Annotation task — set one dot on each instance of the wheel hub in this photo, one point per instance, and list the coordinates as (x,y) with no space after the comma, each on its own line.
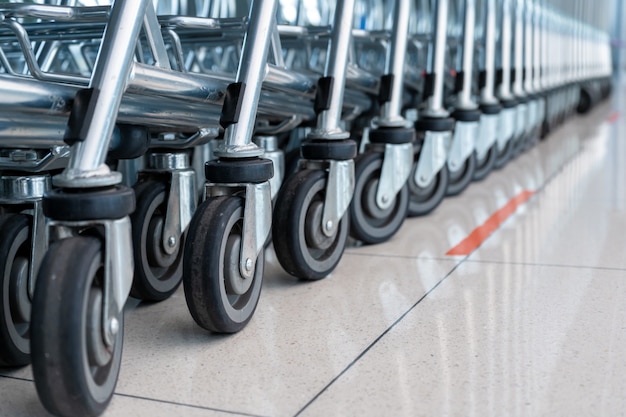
(97,352)
(371,207)
(235,282)
(422,193)
(156,253)
(314,235)
(18,291)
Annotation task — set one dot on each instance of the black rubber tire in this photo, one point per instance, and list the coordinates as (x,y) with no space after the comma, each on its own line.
(213,243)
(484,167)
(68,300)
(424,200)
(369,223)
(157,274)
(504,156)
(297,211)
(461,178)
(15,249)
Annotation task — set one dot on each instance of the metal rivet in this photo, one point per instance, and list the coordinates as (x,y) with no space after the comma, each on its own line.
(171,241)
(248,264)
(385,199)
(329,225)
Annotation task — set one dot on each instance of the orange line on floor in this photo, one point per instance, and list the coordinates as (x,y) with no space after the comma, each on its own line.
(482,232)
(613,117)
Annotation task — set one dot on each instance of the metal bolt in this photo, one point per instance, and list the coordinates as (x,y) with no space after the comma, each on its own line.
(248,264)
(423,178)
(171,241)
(114,326)
(385,198)
(329,225)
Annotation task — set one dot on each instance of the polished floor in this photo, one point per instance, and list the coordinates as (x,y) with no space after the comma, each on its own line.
(531,323)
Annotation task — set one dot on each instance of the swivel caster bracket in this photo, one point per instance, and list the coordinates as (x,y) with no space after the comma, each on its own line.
(462,144)
(432,157)
(181,204)
(339,190)
(39,236)
(487,134)
(257,221)
(396,169)
(506,126)
(118,266)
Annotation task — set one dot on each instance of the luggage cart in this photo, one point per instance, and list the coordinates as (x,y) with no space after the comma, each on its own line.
(88,209)
(381,194)
(461,161)
(429,179)
(486,144)
(506,122)
(46,88)
(519,74)
(311,219)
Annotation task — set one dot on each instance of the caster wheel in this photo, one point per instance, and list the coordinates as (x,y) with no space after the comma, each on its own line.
(75,372)
(368,222)
(532,140)
(157,273)
(486,165)
(301,246)
(518,146)
(423,200)
(504,156)
(15,249)
(219,298)
(459,179)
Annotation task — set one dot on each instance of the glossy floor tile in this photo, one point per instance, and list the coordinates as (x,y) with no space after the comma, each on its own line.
(528,324)
(497,340)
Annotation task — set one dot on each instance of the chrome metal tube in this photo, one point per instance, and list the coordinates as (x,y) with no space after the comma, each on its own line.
(537,47)
(504,89)
(487,92)
(518,47)
(464,100)
(436,62)
(109,81)
(394,64)
(251,71)
(328,121)
(528,48)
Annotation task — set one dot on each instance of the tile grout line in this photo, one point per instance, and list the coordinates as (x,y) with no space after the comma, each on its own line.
(138,397)
(419,258)
(603,268)
(383,334)
(15,378)
(200,407)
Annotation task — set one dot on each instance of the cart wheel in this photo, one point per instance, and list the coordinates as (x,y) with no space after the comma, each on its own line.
(219,298)
(157,273)
(301,246)
(75,372)
(518,146)
(532,139)
(368,222)
(459,179)
(485,165)
(423,200)
(504,156)
(15,248)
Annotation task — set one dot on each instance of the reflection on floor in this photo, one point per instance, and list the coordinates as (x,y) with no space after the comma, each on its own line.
(530,323)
